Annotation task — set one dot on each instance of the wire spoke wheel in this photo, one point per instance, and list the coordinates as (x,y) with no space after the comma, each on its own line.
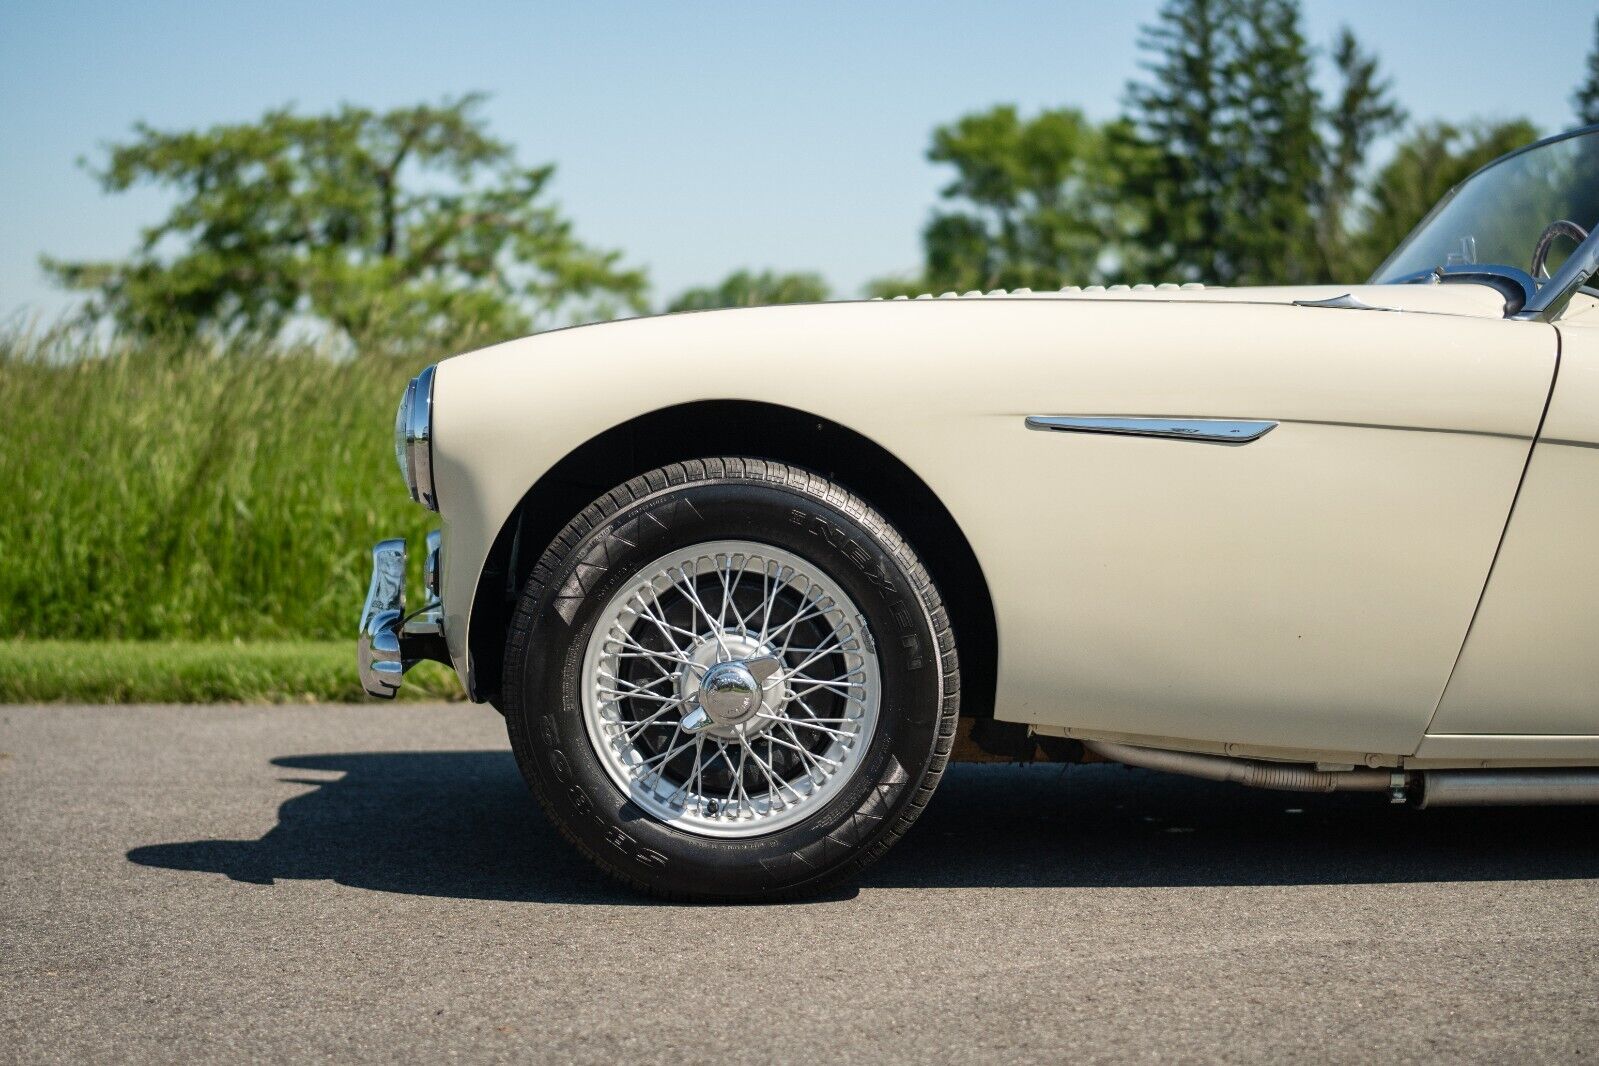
(732,689)
(732,679)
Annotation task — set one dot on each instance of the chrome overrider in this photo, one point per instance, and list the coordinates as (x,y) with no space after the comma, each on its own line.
(391,642)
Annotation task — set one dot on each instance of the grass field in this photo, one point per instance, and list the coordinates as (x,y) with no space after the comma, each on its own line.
(209,509)
(55,671)
(194,492)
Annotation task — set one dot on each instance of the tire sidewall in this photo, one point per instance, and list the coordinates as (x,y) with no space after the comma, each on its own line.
(849,549)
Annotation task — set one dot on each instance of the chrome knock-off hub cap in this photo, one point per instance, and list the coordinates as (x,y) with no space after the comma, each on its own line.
(731,689)
(729,694)
(734,684)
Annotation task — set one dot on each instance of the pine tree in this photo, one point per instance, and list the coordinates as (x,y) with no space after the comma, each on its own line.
(1586,98)
(1364,110)
(1231,113)
(1180,112)
(1270,216)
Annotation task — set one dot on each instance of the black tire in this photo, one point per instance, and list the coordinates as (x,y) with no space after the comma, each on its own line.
(683,504)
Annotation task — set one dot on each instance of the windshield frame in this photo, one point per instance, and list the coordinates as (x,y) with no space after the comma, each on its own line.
(1549,299)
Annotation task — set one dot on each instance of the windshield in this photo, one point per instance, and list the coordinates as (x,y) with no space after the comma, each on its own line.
(1496,217)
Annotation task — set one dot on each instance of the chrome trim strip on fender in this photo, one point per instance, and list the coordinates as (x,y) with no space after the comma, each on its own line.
(1212,430)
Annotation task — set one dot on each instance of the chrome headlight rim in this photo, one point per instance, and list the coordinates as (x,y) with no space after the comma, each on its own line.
(414,439)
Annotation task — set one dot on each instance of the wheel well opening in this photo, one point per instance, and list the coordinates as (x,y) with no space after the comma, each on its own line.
(736,427)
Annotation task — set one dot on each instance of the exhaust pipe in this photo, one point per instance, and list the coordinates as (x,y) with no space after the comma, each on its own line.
(1438,788)
(1506,788)
(1255,773)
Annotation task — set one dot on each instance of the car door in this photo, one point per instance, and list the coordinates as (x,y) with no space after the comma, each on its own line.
(1309,590)
(1527,684)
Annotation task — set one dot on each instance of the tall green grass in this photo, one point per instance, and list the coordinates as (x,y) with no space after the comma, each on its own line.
(194,491)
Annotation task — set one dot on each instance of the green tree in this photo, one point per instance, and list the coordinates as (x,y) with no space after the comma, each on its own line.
(1275,119)
(1034,203)
(743,288)
(1586,98)
(1428,163)
(1363,111)
(1182,112)
(1231,114)
(412,223)
(889,286)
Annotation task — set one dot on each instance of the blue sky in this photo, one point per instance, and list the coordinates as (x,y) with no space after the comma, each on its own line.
(698,137)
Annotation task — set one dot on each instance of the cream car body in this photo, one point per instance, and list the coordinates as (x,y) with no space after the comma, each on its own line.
(1346,527)
(1307,594)
(1308,590)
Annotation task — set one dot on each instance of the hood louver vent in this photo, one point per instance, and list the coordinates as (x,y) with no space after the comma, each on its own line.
(1144,287)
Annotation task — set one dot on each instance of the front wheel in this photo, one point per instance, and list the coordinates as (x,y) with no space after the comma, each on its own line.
(731,679)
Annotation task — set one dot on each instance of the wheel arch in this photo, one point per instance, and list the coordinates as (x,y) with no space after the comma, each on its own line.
(739,427)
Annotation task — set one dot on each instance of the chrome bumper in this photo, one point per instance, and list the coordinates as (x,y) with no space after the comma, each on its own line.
(390,641)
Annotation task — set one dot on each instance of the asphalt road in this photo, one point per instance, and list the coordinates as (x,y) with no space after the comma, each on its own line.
(373,883)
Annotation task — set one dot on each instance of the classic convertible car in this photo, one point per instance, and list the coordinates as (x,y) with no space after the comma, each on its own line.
(743,582)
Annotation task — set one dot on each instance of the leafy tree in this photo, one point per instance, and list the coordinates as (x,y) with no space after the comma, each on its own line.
(742,288)
(1034,202)
(1364,111)
(1586,98)
(412,223)
(1428,163)
(1231,114)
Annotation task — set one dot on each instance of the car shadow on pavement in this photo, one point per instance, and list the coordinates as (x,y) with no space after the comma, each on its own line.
(461,824)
